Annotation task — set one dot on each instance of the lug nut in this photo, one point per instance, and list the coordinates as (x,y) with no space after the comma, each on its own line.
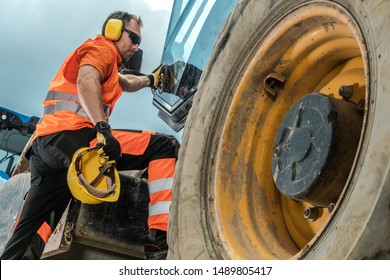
(346,91)
(311,213)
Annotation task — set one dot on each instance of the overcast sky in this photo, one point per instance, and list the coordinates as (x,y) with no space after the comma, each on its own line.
(37,35)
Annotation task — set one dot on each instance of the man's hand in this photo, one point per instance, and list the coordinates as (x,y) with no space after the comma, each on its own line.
(155,77)
(111,146)
(162,78)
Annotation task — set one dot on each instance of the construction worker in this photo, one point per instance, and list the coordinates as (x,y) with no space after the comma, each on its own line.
(79,101)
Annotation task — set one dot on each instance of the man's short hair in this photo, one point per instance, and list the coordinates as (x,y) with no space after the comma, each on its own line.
(125,17)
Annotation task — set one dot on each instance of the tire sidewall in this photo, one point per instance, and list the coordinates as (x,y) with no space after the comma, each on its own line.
(364,211)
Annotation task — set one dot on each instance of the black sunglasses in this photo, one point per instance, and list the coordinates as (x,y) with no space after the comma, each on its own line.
(133,37)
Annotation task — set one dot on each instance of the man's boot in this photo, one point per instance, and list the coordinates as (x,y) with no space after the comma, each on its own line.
(156,247)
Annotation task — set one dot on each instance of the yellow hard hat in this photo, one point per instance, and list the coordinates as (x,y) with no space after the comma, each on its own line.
(93,179)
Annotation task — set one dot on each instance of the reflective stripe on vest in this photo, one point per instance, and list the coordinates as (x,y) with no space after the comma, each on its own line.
(66,101)
(63,96)
(63,105)
(159,208)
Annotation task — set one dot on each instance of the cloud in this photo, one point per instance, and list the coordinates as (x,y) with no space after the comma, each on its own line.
(160,5)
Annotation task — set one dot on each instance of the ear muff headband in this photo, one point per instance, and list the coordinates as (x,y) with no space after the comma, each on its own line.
(113,30)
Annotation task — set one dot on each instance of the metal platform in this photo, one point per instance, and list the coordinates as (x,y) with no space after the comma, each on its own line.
(104,231)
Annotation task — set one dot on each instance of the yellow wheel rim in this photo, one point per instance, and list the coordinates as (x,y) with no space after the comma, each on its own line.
(317,47)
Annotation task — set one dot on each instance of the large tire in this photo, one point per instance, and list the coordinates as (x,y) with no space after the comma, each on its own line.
(225,203)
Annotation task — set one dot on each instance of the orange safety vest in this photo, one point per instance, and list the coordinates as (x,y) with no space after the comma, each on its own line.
(62,107)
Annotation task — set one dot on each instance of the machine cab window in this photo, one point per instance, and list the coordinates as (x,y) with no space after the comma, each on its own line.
(193,29)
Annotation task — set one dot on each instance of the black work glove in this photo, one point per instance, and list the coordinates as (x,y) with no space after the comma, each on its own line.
(110,146)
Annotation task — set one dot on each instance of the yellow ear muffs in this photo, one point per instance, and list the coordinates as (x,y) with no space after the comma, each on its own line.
(113,29)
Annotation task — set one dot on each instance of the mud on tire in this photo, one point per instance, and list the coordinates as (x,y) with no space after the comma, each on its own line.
(225,202)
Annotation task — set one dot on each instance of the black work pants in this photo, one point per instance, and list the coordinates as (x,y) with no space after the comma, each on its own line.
(49,194)
(49,158)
